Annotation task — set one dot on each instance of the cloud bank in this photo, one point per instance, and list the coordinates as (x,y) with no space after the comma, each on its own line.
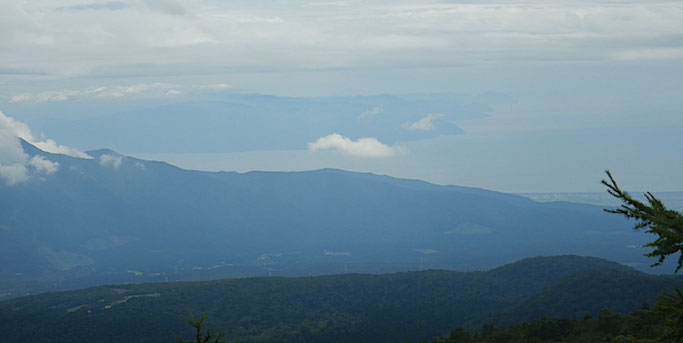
(194,37)
(363,147)
(15,128)
(97,92)
(12,157)
(15,165)
(156,89)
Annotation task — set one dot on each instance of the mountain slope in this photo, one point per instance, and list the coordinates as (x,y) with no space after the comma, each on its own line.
(115,218)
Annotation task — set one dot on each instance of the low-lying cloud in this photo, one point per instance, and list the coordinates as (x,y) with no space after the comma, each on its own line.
(43,165)
(12,158)
(371,112)
(97,92)
(15,165)
(51,146)
(363,147)
(156,89)
(112,161)
(21,130)
(424,124)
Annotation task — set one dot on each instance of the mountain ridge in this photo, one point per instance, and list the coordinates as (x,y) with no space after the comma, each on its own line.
(103,217)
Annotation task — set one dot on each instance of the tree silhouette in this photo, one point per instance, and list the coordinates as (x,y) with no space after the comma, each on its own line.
(667,224)
(210,336)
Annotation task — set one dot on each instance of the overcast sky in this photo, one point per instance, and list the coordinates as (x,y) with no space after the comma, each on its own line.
(547,94)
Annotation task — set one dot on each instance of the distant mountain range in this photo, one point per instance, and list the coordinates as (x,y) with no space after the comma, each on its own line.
(114,218)
(673,200)
(233,122)
(400,307)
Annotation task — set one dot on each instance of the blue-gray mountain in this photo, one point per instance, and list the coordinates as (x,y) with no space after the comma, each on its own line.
(115,218)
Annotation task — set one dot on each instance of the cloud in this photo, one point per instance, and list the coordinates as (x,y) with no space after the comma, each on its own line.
(371,112)
(663,53)
(156,89)
(13,173)
(170,7)
(363,147)
(12,158)
(215,87)
(43,165)
(76,37)
(20,98)
(424,124)
(14,162)
(111,6)
(21,130)
(113,161)
(51,146)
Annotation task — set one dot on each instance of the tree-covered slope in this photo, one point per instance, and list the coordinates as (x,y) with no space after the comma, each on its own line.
(575,295)
(641,326)
(347,307)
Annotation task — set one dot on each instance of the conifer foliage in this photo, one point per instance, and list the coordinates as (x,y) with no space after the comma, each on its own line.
(209,336)
(667,224)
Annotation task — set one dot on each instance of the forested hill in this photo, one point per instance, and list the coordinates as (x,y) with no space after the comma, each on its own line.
(338,308)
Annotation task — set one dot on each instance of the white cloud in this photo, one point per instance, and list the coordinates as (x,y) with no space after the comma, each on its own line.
(119,91)
(371,112)
(14,162)
(43,165)
(215,87)
(21,130)
(156,89)
(20,98)
(51,146)
(13,173)
(12,156)
(424,124)
(113,161)
(363,147)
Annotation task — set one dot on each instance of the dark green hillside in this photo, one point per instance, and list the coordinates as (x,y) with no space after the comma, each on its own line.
(349,307)
(642,326)
(576,294)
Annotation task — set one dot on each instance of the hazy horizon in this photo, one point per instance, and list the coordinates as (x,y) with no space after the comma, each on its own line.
(513,96)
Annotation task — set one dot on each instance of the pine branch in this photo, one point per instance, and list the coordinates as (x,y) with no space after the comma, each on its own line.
(667,224)
(211,336)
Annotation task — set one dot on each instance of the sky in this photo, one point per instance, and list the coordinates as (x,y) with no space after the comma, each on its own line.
(514,96)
